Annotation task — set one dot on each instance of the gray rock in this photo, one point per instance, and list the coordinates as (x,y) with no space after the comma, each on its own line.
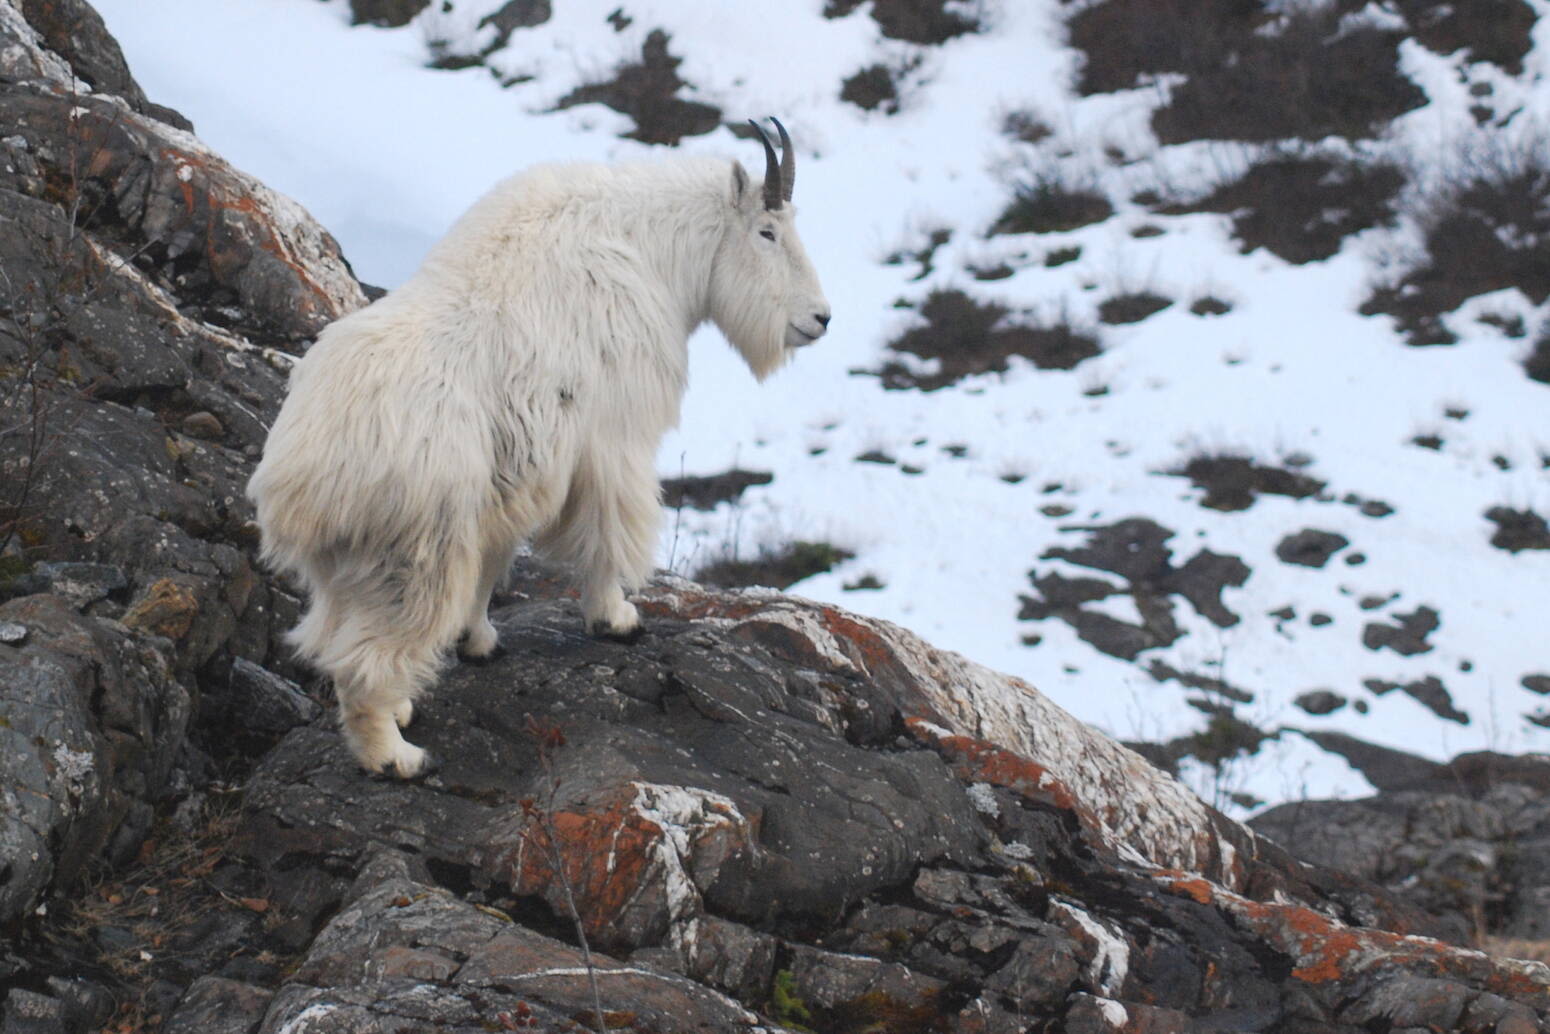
(80,583)
(732,958)
(1039,972)
(1384,767)
(73,30)
(213,1005)
(763,814)
(27,1012)
(829,979)
(87,1005)
(203,424)
(403,955)
(1467,843)
(1411,1001)
(92,721)
(385,13)
(260,700)
(1320,701)
(12,633)
(1310,547)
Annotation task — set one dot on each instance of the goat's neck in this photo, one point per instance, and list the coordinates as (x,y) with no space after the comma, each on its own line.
(679,238)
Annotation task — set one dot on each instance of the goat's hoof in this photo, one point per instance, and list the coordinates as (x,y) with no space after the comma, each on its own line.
(406,762)
(429,764)
(480,643)
(403,714)
(495,653)
(603,630)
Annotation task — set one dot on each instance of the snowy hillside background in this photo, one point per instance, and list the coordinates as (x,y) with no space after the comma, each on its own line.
(1099,274)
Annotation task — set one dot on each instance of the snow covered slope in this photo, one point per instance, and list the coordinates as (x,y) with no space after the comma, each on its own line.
(1178,520)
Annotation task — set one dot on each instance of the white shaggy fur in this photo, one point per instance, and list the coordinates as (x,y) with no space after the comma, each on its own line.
(517,386)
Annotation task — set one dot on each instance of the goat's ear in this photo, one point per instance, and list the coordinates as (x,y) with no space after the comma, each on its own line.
(742,187)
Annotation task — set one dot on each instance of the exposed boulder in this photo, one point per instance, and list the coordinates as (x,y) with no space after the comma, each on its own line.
(768,807)
(1469,840)
(91,719)
(763,813)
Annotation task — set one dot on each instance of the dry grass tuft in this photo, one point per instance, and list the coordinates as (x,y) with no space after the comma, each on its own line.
(1516,948)
(129,926)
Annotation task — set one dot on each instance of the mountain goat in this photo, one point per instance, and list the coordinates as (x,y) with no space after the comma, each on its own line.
(516,387)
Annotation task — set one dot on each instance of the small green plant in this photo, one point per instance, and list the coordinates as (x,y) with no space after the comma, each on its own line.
(786,1005)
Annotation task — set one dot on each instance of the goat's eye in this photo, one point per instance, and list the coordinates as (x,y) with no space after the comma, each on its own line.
(767,233)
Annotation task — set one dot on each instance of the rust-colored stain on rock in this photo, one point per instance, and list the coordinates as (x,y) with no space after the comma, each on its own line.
(165,608)
(1326,950)
(977,761)
(606,853)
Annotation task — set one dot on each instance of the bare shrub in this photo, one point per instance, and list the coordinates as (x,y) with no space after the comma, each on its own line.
(968,337)
(872,88)
(777,567)
(1485,227)
(647,91)
(1233,482)
(1126,40)
(1499,31)
(1046,200)
(1132,306)
(1302,208)
(914,21)
(1311,78)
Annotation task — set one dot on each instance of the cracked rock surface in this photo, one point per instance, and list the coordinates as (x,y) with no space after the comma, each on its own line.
(764,814)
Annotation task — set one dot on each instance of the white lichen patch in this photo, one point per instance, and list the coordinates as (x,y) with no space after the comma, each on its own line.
(1020,851)
(75,766)
(984,799)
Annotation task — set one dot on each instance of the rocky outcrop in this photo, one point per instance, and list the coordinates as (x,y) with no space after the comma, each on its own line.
(92,722)
(772,812)
(1469,840)
(764,814)
(149,291)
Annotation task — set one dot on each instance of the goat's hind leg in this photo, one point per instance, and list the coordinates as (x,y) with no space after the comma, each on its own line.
(387,650)
(370,718)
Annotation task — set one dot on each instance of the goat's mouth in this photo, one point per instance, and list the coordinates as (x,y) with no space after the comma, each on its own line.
(796,337)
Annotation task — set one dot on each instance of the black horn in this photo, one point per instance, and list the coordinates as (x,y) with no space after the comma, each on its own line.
(788,161)
(775,192)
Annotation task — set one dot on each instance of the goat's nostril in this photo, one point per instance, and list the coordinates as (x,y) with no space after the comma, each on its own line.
(822,318)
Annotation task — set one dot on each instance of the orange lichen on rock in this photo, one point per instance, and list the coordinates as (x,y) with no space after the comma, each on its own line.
(870,650)
(606,852)
(691,603)
(216,201)
(1325,949)
(977,761)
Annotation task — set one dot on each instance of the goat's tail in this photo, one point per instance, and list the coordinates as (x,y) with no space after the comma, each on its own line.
(380,623)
